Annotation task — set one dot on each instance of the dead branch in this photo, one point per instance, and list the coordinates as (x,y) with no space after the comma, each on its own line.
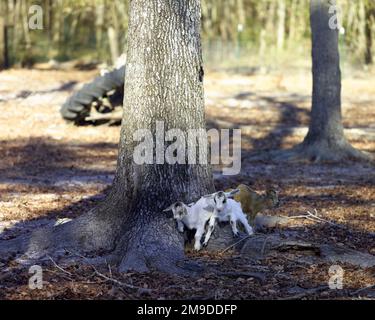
(58,267)
(234,244)
(306,293)
(315,218)
(113,280)
(362,290)
(119,283)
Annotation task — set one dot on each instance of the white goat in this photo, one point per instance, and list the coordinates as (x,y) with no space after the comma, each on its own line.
(194,216)
(226,209)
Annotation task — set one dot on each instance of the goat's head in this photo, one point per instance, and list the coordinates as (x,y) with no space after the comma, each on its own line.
(272,197)
(179,210)
(220,199)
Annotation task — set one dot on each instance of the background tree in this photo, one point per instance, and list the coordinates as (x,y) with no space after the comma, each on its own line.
(325,139)
(370,19)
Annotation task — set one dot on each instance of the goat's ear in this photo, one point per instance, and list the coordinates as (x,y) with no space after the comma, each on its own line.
(232,193)
(169,208)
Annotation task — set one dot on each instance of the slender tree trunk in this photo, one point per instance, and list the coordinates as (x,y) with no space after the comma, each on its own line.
(17,29)
(370,18)
(48,14)
(58,26)
(281,13)
(113,34)
(2,42)
(271,16)
(2,35)
(99,25)
(292,23)
(27,56)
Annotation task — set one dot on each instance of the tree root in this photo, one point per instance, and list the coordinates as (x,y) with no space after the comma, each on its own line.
(316,153)
(135,245)
(155,246)
(88,233)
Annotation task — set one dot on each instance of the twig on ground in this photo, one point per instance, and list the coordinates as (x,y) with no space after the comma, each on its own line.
(315,218)
(306,293)
(121,284)
(113,280)
(234,244)
(58,267)
(363,289)
(256,275)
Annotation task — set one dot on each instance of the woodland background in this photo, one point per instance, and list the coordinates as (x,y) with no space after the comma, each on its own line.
(271,32)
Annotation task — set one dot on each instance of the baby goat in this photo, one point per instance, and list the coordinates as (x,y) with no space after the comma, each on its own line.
(253,202)
(194,216)
(226,209)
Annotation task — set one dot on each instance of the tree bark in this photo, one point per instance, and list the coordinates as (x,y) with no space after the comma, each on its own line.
(163,83)
(326,120)
(164,65)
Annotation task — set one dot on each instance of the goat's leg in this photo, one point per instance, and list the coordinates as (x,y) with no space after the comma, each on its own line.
(180,226)
(233,223)
(245,223)
(197,238)
(211,227)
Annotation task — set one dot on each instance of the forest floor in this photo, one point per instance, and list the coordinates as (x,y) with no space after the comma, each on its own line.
(51,170)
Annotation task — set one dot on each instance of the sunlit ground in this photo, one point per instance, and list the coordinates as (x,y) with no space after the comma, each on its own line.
(51,169)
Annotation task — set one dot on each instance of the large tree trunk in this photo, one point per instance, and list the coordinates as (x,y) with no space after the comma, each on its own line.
(163,83)
(326,122)
(325,139)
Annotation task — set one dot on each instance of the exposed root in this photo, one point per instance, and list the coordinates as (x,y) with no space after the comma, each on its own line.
(129,245)
(88,233)
(317,152)
(155,246)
